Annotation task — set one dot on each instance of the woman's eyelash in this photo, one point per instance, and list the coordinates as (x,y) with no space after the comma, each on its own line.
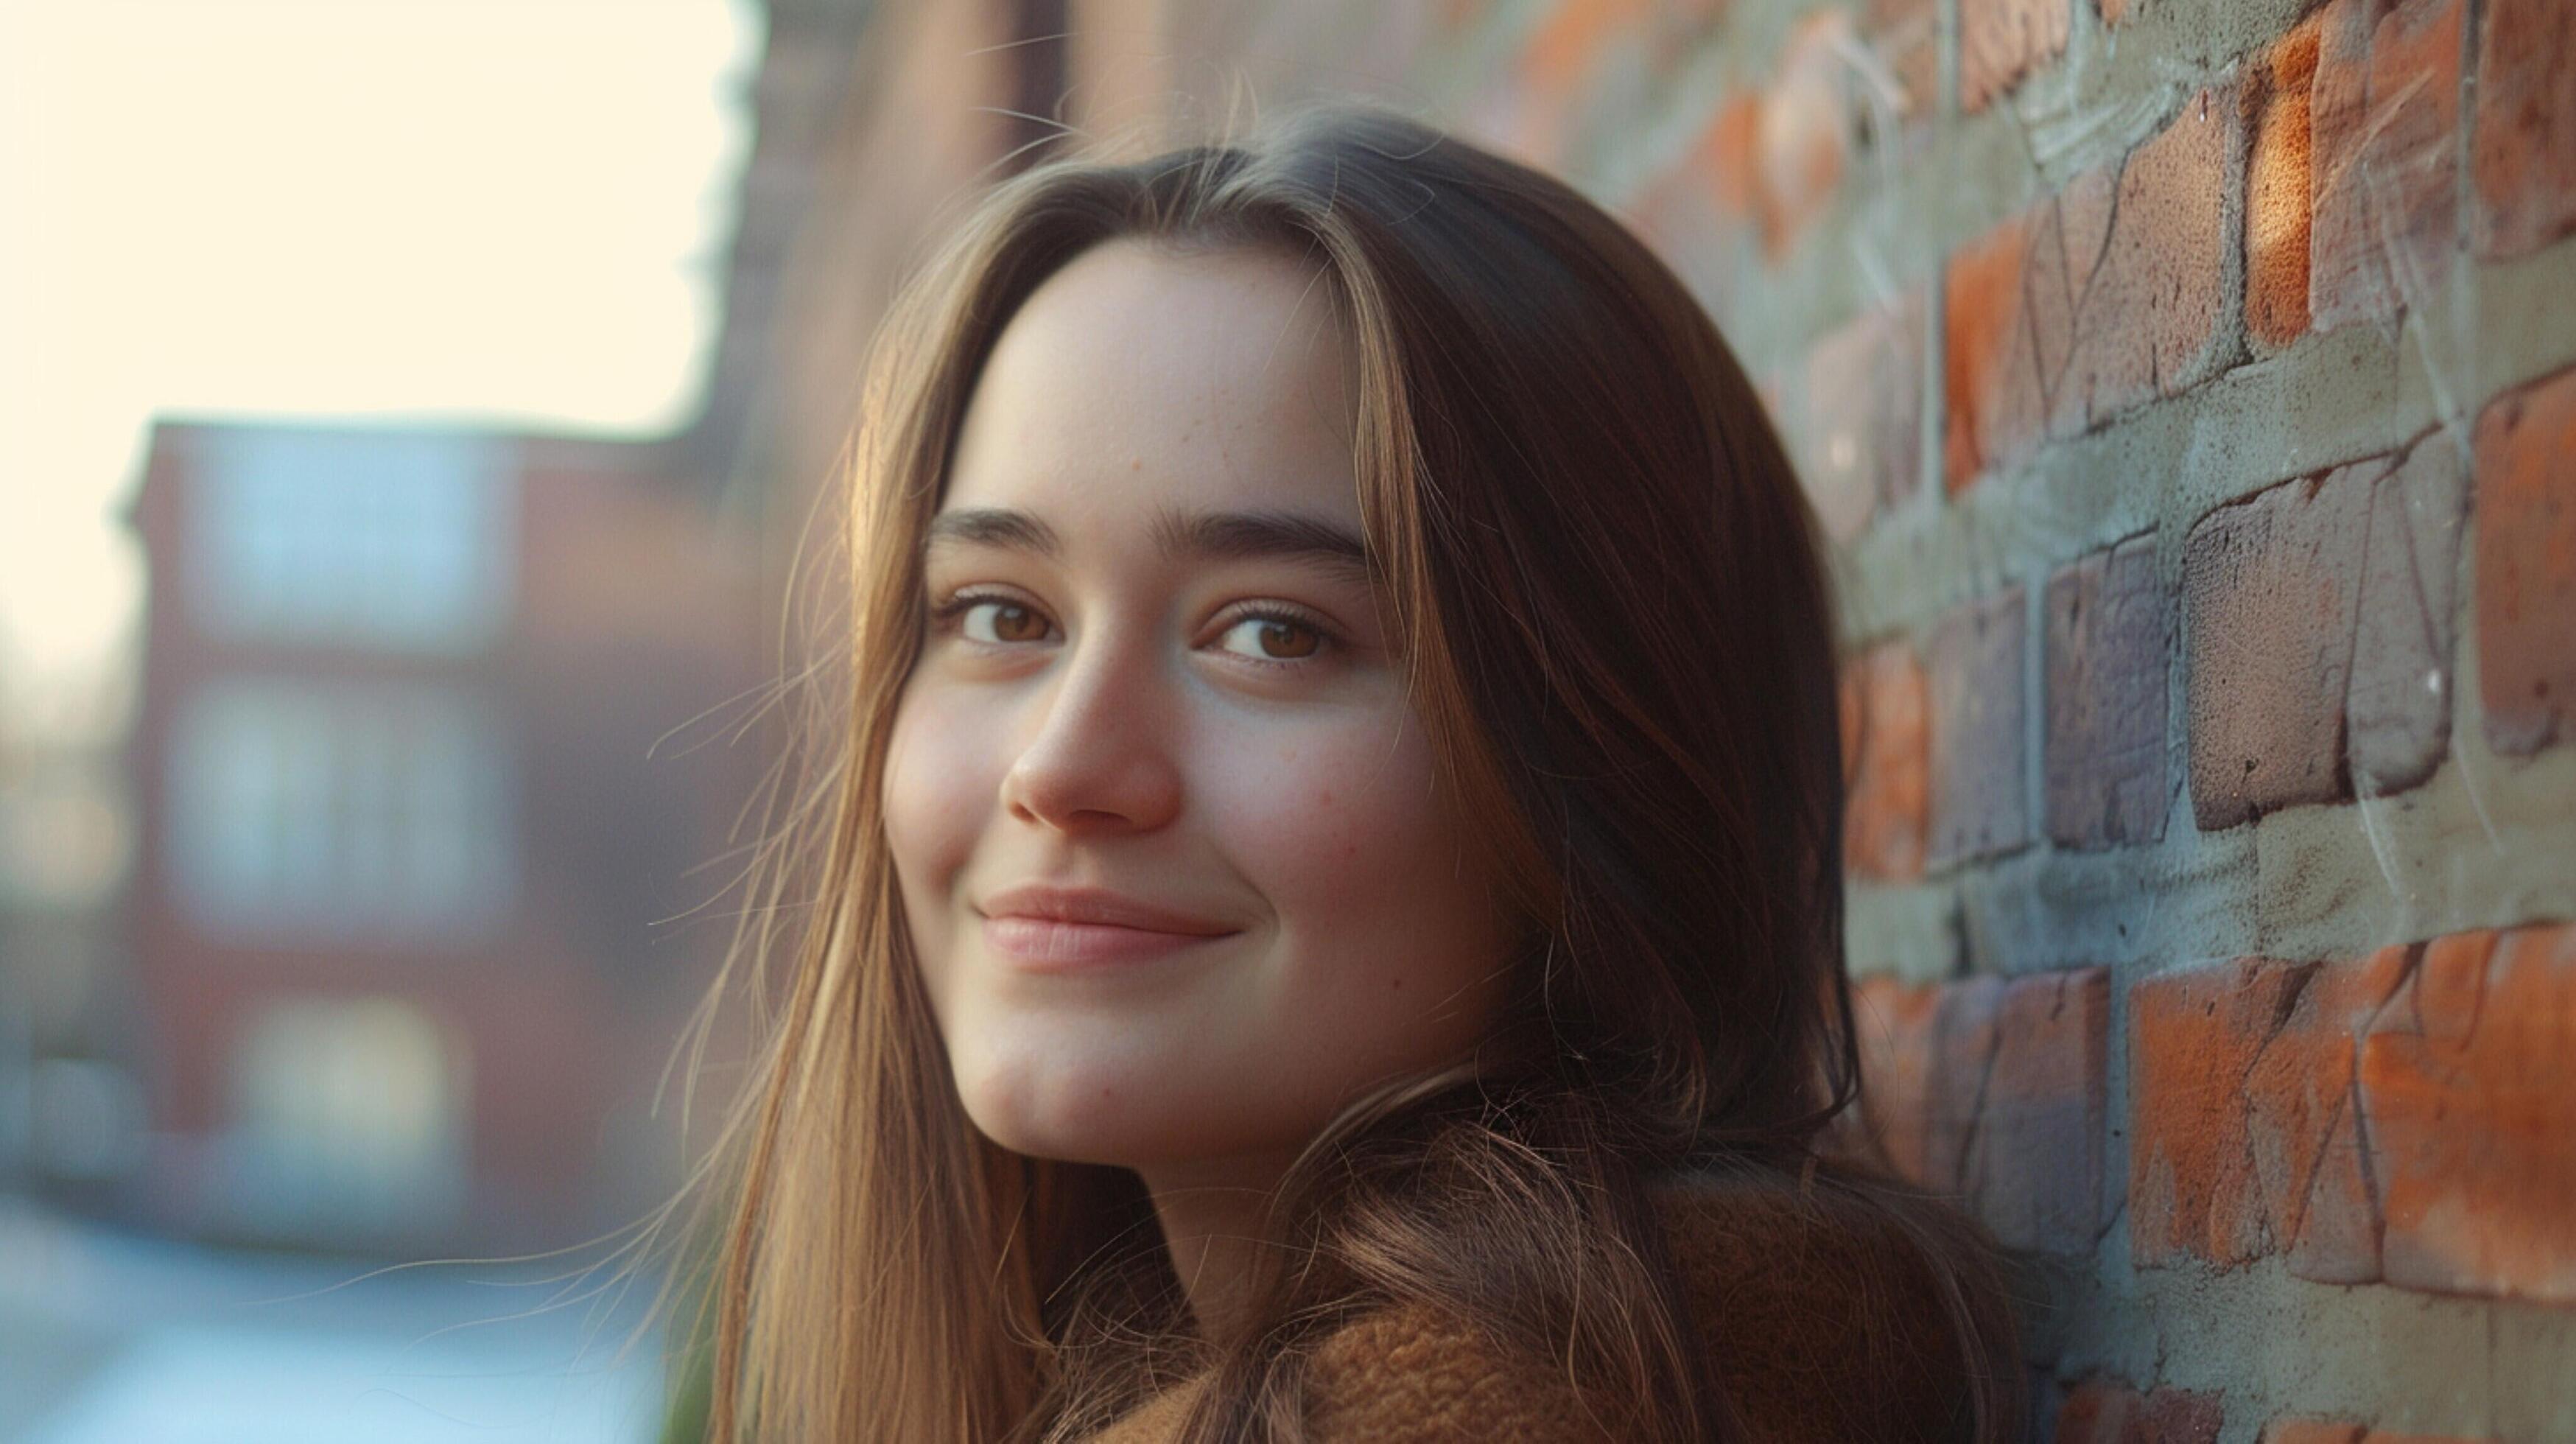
(946,610)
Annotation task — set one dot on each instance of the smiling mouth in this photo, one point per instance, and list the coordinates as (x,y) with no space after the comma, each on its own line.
(1055,945)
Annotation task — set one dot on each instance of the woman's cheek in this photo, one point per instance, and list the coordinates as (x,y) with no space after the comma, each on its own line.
(940,784)
(1337,825)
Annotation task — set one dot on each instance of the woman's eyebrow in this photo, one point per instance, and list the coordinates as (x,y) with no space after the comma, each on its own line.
(1194,535)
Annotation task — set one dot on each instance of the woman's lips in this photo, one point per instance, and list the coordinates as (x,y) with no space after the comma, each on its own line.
(1055,943)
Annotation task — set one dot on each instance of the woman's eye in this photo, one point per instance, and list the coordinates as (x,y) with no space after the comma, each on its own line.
(1001,622)
(1273,639)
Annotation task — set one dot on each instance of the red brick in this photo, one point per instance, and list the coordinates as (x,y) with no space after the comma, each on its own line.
(2468,1083)
(2271,594)
(2410,1117)
(1698,214)
(2000,41)
(2523,152)
(2277,191)
(2243,1141)
(1884,722)
(1962,1052)
(2526,567)
(1805,130)
(1904,35)
(1556,72)
(1861,446)
(2384,118)
(2311,1431)
(2108,626)
(1563,49)
(1895,1033)
(1989,386)
(2397,713)
(2103,297)
(2032,1168)
(2105,1412)
(1979,803)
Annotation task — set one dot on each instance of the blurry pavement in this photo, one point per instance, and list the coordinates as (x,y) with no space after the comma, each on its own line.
(112,1338)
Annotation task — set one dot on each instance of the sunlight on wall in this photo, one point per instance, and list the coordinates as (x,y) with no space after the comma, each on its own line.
(446,208)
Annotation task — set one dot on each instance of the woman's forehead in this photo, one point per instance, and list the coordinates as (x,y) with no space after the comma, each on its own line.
(1137,380)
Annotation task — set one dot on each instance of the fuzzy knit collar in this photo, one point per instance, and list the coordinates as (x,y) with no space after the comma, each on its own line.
(1823,1322)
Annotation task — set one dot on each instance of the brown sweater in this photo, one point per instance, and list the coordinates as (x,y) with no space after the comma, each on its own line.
(1822,1319)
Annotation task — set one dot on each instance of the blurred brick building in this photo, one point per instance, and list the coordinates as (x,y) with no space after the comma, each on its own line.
(410,819)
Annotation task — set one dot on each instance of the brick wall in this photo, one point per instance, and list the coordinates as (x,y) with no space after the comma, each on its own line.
(2190,389)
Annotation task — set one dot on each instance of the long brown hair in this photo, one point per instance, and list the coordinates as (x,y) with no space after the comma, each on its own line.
(1607,590)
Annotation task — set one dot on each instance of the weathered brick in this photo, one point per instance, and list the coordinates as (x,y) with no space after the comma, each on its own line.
(2397,715)
(1990,390)
(2100,1411)
(2271,592)
(2108,626)
(1559,73)
(2384,122)
(2103,297)
(1895,1033)
(2468,1084)
(1904,36)
(1864,391)
(1567,43)
(2032,1167)
(2409,1117)
(2277,191)
(2311,1431)
(2000,41)
(1979,802)
(2523,152)
(1885,714)
(2526,566)
(2243,1140)
(1699,214)
(1805,129)
(1962,1049)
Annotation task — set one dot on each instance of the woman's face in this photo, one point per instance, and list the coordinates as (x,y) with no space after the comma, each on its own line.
(1176,867)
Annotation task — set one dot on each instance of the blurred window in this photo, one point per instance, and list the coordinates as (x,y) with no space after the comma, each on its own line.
(392,541)
(347,1119)
(343,810)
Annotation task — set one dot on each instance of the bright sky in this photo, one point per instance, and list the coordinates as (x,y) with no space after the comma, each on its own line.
(507,210)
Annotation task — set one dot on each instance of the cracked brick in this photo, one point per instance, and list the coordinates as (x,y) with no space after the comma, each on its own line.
(2523,156)
(2271,600)
(2243,1140)
(2468,1088)
(2383,119)
(2032,1167)
(1962,1063)
(2107,637)
(2103,297)
(2001,41)
(2526,564)
(2397,714)
(1979,801)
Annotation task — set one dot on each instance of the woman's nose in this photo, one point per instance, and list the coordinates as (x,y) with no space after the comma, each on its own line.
(1099,760)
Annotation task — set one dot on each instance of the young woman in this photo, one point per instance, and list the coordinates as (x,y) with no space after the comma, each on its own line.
(1328,921)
